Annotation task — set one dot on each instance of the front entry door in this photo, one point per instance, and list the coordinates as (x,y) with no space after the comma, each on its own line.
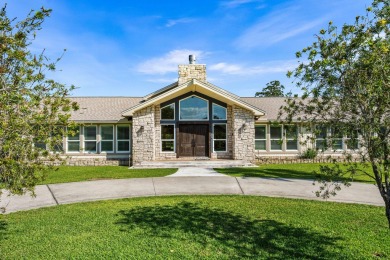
(193,140)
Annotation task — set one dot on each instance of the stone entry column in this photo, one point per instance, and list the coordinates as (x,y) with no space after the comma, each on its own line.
(243,135)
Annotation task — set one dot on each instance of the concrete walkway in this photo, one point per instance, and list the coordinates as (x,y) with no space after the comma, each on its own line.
(65,193)
(196,171)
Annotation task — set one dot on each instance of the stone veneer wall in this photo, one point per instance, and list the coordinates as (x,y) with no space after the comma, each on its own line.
(143,132)
(159,155)
(229,135)
(192,71)
(244,137)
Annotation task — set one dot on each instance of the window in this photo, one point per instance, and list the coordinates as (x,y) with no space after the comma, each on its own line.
(220,137)
(57,135)
(352,140)
(73,139)
(194,108)
(291,134)
(219,112)
(90,139)
(337,139)
(123,138)
(107,138)
(260,137)
(168,112)
(167,138)
(321,138)
(276,137)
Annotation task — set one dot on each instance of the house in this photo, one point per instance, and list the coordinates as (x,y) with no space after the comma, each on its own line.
(188,119)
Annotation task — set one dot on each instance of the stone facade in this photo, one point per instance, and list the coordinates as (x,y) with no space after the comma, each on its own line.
(159,155)
(192,71)
(244,134)
(143,135)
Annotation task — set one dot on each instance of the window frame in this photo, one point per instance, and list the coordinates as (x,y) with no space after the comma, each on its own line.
(279,139)
(212,112)
(174,111)
(226,148)
(90,140)
(266,132)
(122,140)
(208,109)
(101,139)
(285,139)
(169,140)
(73,141)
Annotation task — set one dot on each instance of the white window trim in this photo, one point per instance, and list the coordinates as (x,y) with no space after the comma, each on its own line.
(174,139)
(212,112)
(265,139)
(67,141)
(101,139)
(329,136)
(291,139)
(121,140)
(95,140)
(279,139)
(220,139)
(174,111)
(208,109)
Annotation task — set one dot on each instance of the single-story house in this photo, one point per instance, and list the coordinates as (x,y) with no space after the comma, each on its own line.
(189,119)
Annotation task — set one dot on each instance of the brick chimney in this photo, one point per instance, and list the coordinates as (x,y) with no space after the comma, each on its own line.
(192,71)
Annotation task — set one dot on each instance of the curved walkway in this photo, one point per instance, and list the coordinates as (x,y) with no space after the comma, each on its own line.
(65,193)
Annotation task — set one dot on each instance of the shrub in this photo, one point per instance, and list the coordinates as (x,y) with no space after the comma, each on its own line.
(309,154)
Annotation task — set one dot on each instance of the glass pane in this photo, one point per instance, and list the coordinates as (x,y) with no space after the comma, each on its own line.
(320,144)
(58,148)
(123,146)
(90,146)
(276,132)
(292,145)
(168,112)
(194,108)
(107,132)
(276,145)
(291,131)
(353,144)
(40,145)
(123,132)
(90,132)
(337,144)
(219,131)
(167,146)
(321,132)
(260,145)
(73,133)
(220,145)
(260,132)
(74,146)
(336,133)
(107,146)
(219,112)
(167,132)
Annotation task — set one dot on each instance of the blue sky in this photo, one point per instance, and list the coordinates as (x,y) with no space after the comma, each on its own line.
(131,48)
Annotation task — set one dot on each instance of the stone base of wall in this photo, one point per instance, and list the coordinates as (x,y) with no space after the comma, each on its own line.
(290,160)
(92,162)
(223,155)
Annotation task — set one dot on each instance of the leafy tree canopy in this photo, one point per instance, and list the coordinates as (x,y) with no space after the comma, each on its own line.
(33,108)
(272,89)
(345,77)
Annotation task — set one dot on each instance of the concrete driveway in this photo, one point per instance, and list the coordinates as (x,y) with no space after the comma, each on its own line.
(65,193)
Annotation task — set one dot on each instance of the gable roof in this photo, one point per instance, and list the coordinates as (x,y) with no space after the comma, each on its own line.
(269,104)
(173,90)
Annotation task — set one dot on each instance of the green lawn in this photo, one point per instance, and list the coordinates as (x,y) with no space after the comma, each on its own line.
(294,171)
(197,227)
(86,173)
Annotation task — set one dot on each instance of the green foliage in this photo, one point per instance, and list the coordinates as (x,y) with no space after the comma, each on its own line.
(197,227)
(273,89)
(87,173)
(345,77)
(33,108)
(309,154)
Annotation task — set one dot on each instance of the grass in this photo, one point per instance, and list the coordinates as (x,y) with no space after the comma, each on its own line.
(294,171)
(87,173)
(197,227)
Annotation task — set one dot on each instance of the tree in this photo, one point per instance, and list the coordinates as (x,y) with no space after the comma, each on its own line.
(272,89)
(345,77)
(33,108)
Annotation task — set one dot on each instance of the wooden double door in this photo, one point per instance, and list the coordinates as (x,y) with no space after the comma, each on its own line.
(193,140)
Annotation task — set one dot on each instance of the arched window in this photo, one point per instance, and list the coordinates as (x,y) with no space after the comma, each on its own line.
(194,108)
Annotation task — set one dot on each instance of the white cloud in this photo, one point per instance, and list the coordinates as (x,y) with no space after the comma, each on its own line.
(168,62)
(174,22)
(267,67)
(276,27)
(235,3)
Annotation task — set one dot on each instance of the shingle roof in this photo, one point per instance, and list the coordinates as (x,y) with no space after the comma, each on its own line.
(102,108)
(270,105)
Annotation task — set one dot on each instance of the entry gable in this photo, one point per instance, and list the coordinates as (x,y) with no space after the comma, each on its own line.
(193,85)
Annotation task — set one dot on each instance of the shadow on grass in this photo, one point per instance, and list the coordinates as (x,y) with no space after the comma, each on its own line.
(267,173)
(235,234)
(3,229)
